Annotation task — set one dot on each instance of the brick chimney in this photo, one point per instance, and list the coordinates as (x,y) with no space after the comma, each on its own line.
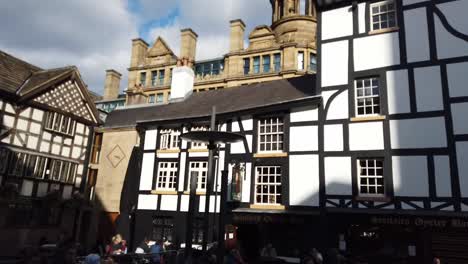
(188,44)
(237,35)
(112,84)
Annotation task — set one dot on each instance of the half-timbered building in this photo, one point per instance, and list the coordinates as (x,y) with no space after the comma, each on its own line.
(47,118)
(393,132)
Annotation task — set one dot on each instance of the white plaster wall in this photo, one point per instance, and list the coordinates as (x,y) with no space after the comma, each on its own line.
(335,63)
(460,119)
(366,136)
(410,176)
(247,123)
(457,79)
(67,192)
(79,128)
(376,51)
(428,89)
(168,203)
(235,126)
(27,188)
(25,112)
(442,176)
(8,121)
(338,175)
(36,128)
(150,139)
(246,183)
(37,115)
(339,105)
(238,148)
(198,154)
(410,2)
(407,133)
(32,144)
(462,158)
(220,168)
(333,137)
(201,206)
(147,202)
(22,124)
(304,180)
(398,92)
(337,23)
(147,168)
(42,189)
(362,17)
(181,179)
(448,45)
(168,155)
(303,114)
(9,108)
(417,35)
(184,203)
(303,138)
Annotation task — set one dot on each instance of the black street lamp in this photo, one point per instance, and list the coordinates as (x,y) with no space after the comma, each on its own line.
(212,138)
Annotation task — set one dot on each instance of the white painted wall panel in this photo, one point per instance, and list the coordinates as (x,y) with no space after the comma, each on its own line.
(304,180)
(220,166)
(333,137)
(398,92)
(9,108)
(335,66)
(36,128)
(32,144)
(417,35)
(338,175)
(338,107)
(410,2)
(459,117)
(147,169)
(366,136)
(362,17)
(249,142)
(376,51)
(8,121)
(247,123)
(37,115)
(198,154)
(181,180)
(410,176)
(67,192)
(79,128)
(147,202)
(238,148)
(27,188)
(303,138)
(246,183)
(168,203)
(42,189)
(442,176)
(201,207)
(303,114)
(462,158)
(337,23)
(22,124)
(184,203)
(235,126)
(150,139)
(448,46)
(455,12)
(428,89)
(457,79)
(26,112)
(168,155)
(418,133)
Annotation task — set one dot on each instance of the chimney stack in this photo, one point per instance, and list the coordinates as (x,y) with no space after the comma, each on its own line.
(183,79)
(112,84)
(188,44)
(237,35)
(139,48)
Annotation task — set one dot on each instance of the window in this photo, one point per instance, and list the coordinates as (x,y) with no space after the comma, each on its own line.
(41,167)
(197,145)
(163,227)
(367,96)
(270,134)
(154,78)
(169,139)
(197,233)
(371,179)
(143,78)
(201,169)
(151,99)
(4,154)
(300,60)
(159,97)
(256,64)
(17,164)
(266,63)
(96,149)
(313,62)
(209,68)
(62,171)
(161,76)
(246,66)
(167,176)
(277,62)
(268,185)
(59,123)
(383,15)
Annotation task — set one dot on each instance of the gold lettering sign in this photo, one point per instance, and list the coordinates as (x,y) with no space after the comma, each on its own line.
(421,222)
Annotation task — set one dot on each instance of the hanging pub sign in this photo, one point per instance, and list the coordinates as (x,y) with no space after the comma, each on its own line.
(238,174)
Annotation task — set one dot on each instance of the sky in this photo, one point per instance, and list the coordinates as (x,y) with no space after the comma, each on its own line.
(96,35)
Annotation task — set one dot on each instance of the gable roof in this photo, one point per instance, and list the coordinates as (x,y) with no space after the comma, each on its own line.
(26,84)
(228,101)
(159,48)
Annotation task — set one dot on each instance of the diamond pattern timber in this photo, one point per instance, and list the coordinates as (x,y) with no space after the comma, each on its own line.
(67,96)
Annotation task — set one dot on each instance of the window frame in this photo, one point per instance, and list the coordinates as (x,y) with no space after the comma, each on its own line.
(201,179)
(372,96)
(386,190)
(164,179)
(300,64)
(54,123)
(167,224)
(277,62)
(268,184)
(246,66)
(371,15)
(169,139)
(197,145)
(266,67)
(280,122)
(143,78)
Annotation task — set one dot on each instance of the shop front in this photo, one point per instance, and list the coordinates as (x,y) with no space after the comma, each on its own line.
(399,238)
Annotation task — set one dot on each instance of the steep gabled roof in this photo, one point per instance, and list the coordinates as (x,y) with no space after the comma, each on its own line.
(14,72)
(228,101)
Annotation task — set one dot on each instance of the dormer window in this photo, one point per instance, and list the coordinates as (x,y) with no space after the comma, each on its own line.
(169,139)
(59,123)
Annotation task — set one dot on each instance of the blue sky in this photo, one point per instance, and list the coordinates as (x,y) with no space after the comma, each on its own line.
(96,35)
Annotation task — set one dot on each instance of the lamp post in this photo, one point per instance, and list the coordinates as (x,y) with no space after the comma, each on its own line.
(212,138)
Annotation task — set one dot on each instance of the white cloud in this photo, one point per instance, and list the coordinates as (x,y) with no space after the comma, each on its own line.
(93,35)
